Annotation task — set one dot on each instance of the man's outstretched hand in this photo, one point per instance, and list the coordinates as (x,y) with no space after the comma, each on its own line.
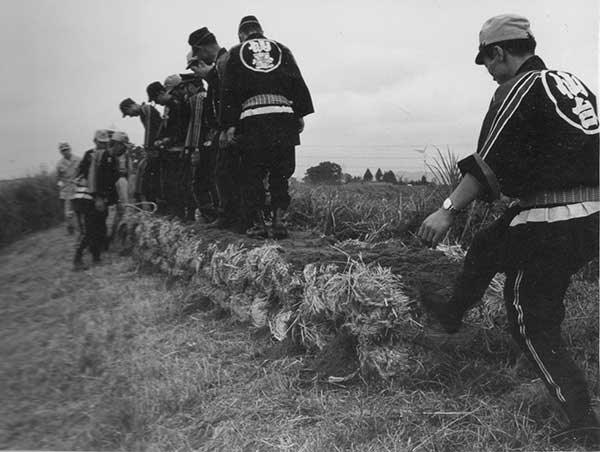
(435,226)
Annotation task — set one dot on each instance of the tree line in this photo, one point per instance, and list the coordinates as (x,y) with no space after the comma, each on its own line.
(331,173)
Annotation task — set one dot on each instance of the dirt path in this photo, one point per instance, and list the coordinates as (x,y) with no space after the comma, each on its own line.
(40,298)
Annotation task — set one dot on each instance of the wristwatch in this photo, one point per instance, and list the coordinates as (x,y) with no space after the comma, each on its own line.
(449,206)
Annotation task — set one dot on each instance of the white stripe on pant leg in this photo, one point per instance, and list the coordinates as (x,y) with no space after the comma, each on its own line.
(536,357)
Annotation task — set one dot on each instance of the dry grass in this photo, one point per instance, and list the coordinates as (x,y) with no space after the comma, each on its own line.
(374,212)
(112,361)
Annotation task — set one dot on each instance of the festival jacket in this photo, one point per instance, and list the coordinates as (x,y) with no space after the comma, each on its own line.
(175,122)
(213,96)
(540,134)
(263,90)
(151,121)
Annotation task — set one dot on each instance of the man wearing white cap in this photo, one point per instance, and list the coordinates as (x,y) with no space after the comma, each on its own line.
(66,170)
(538,144)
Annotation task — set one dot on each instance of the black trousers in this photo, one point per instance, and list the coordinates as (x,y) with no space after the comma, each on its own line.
(203,179)
(93,232)
(228,177)
(278,163)
(148,184)
(539,260)
(174,183)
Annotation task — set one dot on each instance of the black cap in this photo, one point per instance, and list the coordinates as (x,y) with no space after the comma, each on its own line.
(248,20)
(201,37)
(125,104)
(153,89)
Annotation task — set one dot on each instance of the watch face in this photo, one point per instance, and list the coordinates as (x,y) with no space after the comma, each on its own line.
(447,204)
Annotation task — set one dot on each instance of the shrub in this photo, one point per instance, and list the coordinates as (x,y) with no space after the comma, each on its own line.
(28,204)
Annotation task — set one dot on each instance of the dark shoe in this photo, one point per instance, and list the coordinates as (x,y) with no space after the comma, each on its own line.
(279,229)
(79,266)
(257,231)
(258,228)
(586,432)
(588,437)
(219,223)
(441,311)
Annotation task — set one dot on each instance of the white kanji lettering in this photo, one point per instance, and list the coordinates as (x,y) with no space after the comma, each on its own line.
(568,85)
(260,46)
(585,110)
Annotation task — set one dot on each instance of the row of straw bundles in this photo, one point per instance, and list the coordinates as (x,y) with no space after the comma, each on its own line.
(367,302)
(257,285)
(167,245)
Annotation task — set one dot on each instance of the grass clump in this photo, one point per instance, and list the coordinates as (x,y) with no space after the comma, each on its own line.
(28,204)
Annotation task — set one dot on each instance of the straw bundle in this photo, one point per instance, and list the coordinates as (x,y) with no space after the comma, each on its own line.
(313,307)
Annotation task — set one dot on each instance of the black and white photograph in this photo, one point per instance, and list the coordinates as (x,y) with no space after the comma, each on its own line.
(316,226)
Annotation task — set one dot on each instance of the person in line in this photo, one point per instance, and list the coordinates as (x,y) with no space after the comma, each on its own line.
(194,142)
(171,141)
(147,182)
(538,144)
(119,146)
(264,102)
(223,165)
(96,177)
(66,170)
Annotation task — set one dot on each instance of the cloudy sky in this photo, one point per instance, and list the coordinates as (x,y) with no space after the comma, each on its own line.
(386,76)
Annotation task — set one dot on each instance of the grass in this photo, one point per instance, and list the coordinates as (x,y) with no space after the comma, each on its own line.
(377,211)
(28,204)
(115,359)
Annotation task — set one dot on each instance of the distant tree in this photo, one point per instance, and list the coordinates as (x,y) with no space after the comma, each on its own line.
(324,173)
(368,177)
(424,179)
(378,175)
(389,177)
(346,178)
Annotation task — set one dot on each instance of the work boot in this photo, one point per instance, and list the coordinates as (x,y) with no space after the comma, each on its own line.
(258,230)
(220,223)
(279,229)
(441,310)
(78,264)
(586,433)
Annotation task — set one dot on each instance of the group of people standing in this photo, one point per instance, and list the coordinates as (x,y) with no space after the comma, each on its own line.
(91,185)
(230,127)
(225,139)
(227,134)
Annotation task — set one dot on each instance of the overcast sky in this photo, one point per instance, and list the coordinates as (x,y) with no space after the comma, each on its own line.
(381,73)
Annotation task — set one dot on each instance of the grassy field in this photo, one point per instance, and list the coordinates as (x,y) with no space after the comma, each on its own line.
(119,358)
(377,211)
(28,204)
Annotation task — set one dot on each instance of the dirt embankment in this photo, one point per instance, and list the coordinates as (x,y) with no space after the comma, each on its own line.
(419,266)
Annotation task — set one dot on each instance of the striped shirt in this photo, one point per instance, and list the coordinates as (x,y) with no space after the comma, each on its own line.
(193,137)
